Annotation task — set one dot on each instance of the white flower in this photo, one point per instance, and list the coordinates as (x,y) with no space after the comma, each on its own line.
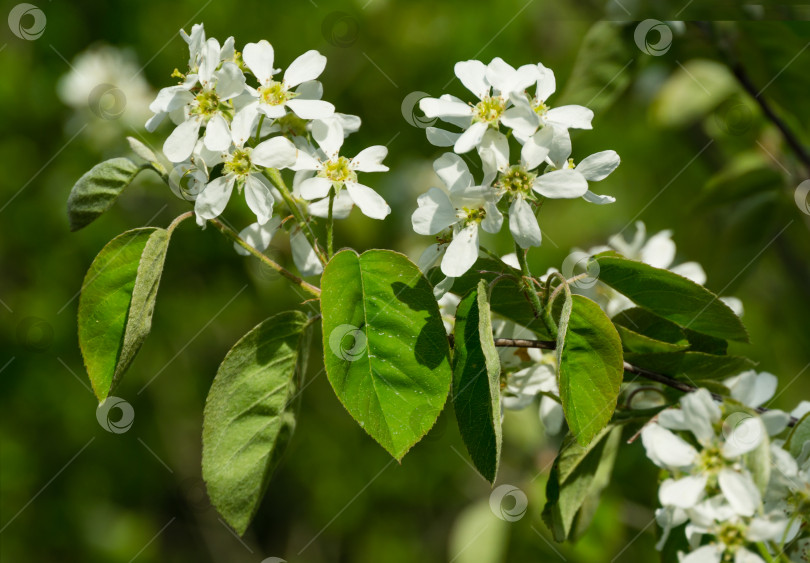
(242,169)
(273,97)
(716,464)
(259,237)
(565,179)
(492,84)
(541,114)
(464,209)
(658,251)
(335,171)
(204,105)
(751,388)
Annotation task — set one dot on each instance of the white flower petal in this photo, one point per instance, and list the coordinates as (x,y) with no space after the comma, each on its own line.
(453,171)
(311,109)
(494,153)
(230,81)
(598,166)
(242,124)
(308,66)
(740,491)
(748,433)
(560,148)
(370,202)
(440,137)
(734,304)
(462,252)
(665,449)
(276,152)
(259,198)
(521,117)
(537,148)
(180,143)
(341,207)
(309,90)
(217,134)
(685,492)
(209,61)
(659,251)
(745,556)
(212,200)
(370,159)
(434,214)
(571,117)
(752,389)
(473,75)
(706,554)
(493,221)
(700,412)
(305,161)
(551,413)
(561,184)
(430,256)
(259,58)
(273,111)
(329,135)
(470,138)
(690,270)
(763,529)
(591,197)
(775,421)
(523,224)
(258,236)
(315,188)
(304,255)
(546,83)
(437,107)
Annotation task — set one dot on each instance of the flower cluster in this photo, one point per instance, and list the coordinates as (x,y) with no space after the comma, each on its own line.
(230,134)
(514,100)
(731,486)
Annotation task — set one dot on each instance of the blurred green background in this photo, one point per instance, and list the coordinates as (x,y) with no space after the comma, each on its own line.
(698,157)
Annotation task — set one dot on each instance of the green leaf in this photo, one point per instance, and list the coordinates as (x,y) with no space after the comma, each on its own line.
(385,348)
(590,370)
(671,296)
(116,304)
(603,69)
(249,415)
(507,298)
(476,382)
(691,92)
(704,343)
(96,191)
(799,434)
(643,332)
(578,476)
(692,366)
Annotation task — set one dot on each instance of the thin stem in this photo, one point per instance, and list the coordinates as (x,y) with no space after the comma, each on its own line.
(641,372)
(259,130)
(179,219)
(274,176)
(330,225)
(231,234)
(528,286)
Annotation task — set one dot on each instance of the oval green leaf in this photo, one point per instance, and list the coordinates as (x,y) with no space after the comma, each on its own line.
(249,415)
(96,191)
(692,366)
(385,348)
(590,369)
(476,382)
(116,304)
(671,296)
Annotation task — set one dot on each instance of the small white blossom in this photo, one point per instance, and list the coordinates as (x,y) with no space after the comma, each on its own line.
(335,171)
(463,208)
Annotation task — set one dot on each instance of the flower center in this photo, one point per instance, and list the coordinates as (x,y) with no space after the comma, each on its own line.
(474,215)
(516,180)
(275,93)
(239,162)
(732,535)
(489,110)
(540,107)
(712,460)
(338,170)
(207,102)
